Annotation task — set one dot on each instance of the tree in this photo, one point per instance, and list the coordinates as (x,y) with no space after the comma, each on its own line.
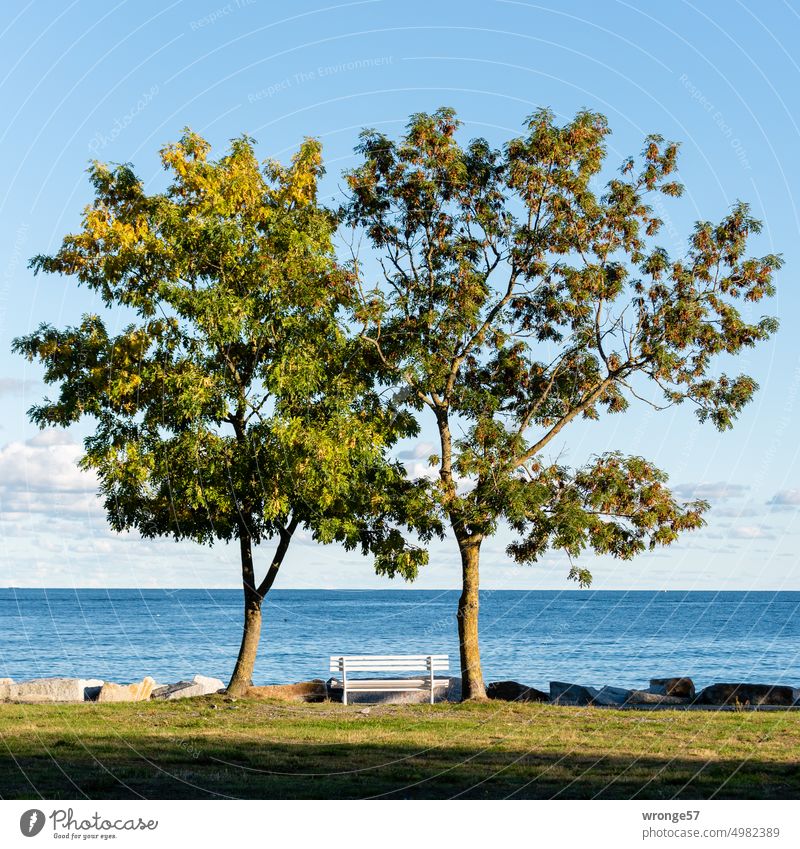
(233,406)
(515,298)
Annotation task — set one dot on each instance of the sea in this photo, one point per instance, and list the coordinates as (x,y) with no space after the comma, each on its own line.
(581,636)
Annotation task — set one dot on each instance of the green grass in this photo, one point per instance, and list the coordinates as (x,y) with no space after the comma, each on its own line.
(216,748)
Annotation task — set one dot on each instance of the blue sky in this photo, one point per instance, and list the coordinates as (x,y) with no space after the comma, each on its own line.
(87,80)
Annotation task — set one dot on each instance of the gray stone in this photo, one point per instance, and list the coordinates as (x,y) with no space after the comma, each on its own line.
(209,685)
(612,696)
(571,694)
(620,697)
(647,697)
(200,685)
(683,687)
(511,691)
(174,691)
(91,694)
(451,692)
(54,689)
(747,694)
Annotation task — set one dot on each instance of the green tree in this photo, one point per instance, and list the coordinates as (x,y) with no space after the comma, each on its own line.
(233,406)
(516,297)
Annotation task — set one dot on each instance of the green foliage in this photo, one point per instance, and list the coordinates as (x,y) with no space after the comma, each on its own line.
(517,297)
(233,405)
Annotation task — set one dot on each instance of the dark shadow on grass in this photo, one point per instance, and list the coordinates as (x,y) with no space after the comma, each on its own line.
(158,770)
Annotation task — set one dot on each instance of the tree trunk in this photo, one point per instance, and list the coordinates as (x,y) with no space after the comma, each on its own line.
(470,547)
(472,686)
(242,677)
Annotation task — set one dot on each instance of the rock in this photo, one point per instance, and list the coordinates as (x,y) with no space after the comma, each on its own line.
(303,691)
(453,692)
(647,697)
(200,685)
(571,694)
(619,697)
(746,694)
(5,688)
(511,691)
(136,692)
(179,690)
(449,692)
(208,685)
(612,696)
(90,694)
(54,689)
(683,687)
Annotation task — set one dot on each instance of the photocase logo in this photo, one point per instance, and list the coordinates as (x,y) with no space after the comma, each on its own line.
(31,822)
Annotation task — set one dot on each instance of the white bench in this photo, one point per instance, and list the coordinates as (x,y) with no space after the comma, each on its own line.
(430,663)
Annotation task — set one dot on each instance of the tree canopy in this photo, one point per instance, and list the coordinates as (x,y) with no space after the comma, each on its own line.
(520,293)
(233,405)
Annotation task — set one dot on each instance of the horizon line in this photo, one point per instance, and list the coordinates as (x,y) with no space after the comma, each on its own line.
(416,589)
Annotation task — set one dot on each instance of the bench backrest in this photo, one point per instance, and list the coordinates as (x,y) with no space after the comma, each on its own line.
(389,662)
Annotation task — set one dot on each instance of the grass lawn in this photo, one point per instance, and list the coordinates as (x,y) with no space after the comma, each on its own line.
(214,747)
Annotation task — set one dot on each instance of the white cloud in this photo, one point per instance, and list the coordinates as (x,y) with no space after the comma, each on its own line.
(739,511)
(41,475)
(10,386)
(750,532)
(50,436)
(422,450)
(420,470)
(720,491)
(785,498)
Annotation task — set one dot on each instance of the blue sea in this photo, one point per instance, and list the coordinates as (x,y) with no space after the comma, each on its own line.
(588,637)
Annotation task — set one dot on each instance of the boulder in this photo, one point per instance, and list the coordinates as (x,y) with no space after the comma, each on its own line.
(571,694)
(450,691)
(208,685)
(511,691)
(90,694)
(612,697)
(746,694)
(179,690)
(682,687)
(619,697)
(303,691)
(453,692)
(5,688)
(136,692)
(200,685)
(54,689)
(647,697)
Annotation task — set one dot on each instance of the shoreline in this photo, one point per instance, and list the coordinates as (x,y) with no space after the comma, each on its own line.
(675,693)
